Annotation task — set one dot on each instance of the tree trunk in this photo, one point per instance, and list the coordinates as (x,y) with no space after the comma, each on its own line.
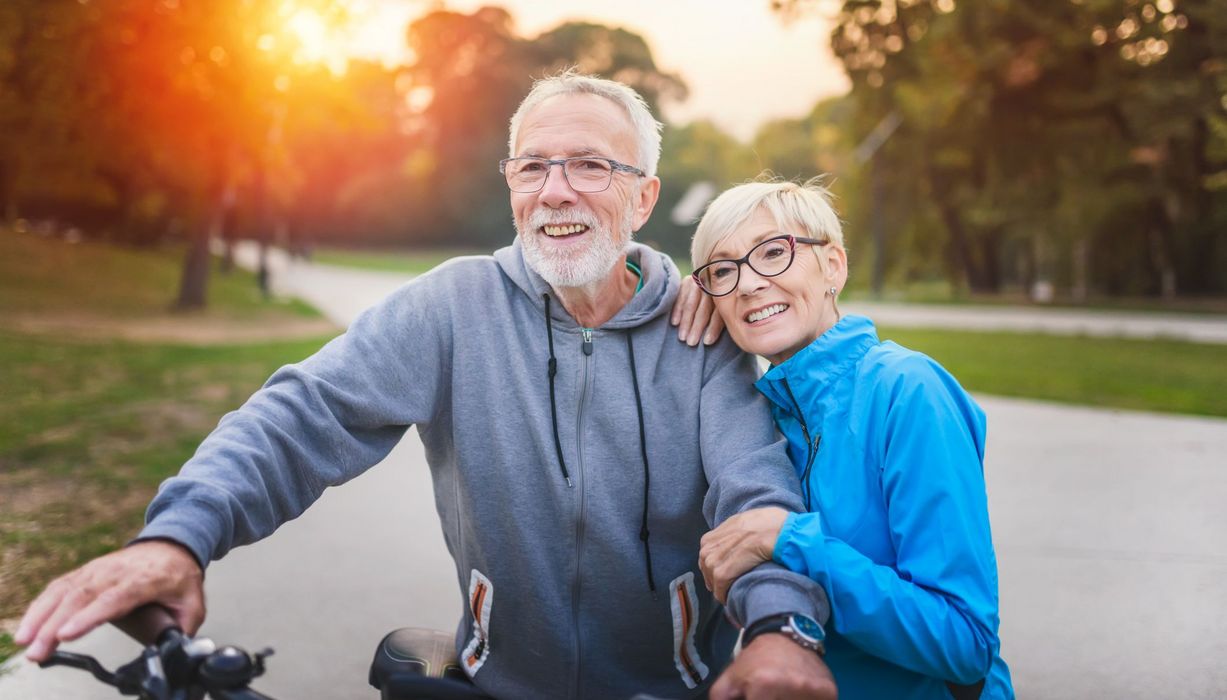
(1159,233)
(194,282)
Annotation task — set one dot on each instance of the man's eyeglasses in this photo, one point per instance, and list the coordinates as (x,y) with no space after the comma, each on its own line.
(586,174)
(769,258)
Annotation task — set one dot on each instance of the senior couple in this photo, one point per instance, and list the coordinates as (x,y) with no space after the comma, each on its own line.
(581,455)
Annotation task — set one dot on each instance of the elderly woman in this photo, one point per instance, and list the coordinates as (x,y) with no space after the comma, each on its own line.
(889,449)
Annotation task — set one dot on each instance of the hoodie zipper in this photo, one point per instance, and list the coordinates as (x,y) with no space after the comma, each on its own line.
(586,366)
(811,446)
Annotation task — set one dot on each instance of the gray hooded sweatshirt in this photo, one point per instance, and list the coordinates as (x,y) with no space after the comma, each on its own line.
(570,589)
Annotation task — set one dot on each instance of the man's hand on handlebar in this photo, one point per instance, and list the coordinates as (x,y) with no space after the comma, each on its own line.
(110,587)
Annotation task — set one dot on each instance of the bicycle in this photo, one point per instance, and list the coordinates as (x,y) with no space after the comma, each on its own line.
(409,663)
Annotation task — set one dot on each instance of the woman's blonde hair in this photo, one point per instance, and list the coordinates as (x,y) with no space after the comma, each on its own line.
(800,208)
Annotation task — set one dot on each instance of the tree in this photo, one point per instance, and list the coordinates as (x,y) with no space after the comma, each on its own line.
(1034,129)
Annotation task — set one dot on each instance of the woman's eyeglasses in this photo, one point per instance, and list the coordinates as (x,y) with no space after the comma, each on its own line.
(769,258)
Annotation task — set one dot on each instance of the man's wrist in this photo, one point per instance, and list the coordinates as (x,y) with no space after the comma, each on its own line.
(171,541)
(801,629)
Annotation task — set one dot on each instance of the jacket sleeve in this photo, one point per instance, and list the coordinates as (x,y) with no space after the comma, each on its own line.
(314,424)
(935,611)
(747,466)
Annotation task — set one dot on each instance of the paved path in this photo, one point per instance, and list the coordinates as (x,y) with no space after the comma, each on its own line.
(1110,531)
(1198,328)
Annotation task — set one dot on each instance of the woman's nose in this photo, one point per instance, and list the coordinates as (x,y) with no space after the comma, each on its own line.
(749,281)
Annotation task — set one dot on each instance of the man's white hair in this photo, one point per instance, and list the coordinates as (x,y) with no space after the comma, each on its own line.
(572,82)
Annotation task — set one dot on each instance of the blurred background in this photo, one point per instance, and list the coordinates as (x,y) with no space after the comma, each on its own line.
(1063,162)
(1070,150)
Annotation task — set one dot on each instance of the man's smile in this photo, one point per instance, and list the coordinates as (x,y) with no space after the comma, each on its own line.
(563,230)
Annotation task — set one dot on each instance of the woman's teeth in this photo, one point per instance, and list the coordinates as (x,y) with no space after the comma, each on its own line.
(764,313)
(563,230)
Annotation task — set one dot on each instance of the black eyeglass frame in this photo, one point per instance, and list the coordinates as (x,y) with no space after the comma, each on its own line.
(745,259)
(549,163)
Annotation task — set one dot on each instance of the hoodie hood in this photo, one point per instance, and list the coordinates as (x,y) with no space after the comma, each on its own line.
(661,281)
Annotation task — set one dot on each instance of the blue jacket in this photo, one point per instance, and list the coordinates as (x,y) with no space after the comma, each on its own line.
(898,530)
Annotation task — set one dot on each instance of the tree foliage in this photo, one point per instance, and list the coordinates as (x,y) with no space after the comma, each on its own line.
(138,120)
(1078,141)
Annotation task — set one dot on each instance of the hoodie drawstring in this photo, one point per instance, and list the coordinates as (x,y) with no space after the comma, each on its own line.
(647,472)
(643,445)
(553,369)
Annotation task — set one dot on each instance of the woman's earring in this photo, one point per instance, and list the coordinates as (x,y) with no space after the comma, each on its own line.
(832,292)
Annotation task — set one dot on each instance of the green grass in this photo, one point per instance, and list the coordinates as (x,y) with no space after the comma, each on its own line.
(42,275)
(410,262)
(7,648)
(89,424)
(1148,375)
(88,428)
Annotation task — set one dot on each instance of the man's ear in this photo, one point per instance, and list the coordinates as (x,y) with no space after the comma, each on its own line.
(649,193)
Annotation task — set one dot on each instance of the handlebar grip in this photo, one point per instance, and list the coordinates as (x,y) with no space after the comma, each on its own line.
(148,623)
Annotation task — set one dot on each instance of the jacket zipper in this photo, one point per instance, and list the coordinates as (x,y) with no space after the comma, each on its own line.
(585,364)
(811,447)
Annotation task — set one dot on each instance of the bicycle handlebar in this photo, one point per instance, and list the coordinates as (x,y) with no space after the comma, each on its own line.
(147,624)
(172,663)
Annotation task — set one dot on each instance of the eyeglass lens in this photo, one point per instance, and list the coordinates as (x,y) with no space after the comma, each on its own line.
(769,258)
(583,174)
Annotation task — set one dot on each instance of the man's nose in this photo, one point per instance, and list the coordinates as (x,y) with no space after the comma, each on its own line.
(556,191)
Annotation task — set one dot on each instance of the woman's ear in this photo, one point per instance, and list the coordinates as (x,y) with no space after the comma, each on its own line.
(835,262)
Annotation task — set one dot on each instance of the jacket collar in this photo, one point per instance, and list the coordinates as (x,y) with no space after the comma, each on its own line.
(814,368)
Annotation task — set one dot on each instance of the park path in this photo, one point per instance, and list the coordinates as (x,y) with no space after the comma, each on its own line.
(1109,528)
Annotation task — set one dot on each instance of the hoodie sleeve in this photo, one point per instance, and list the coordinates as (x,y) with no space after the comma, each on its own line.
(935,610)
(747,466)
(314,424)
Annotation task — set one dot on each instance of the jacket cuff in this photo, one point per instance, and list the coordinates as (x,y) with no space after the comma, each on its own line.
(800,546)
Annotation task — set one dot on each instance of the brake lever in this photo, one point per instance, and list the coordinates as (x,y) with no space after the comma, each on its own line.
(83,662)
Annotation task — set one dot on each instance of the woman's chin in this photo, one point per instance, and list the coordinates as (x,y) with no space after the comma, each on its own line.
(765,342)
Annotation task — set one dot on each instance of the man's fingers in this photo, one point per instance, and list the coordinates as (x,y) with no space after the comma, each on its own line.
(106,606)
(46,639)
(723,689)
(38,612)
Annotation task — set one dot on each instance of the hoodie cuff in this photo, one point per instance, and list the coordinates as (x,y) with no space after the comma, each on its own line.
(184,547)
(187,525)
(769,590)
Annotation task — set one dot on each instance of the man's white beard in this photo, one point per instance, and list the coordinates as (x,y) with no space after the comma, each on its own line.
(574,266)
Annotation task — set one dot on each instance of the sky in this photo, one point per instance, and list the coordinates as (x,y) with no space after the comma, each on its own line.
(743,63)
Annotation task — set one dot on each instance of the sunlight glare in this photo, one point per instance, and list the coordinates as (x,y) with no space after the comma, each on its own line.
(312,33)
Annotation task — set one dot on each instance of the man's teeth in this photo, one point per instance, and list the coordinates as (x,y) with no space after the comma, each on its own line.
(563,230)
(764,313)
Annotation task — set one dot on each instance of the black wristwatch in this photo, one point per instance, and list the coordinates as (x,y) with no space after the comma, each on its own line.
(802,629)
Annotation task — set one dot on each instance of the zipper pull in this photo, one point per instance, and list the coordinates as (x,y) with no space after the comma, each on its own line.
(587,340)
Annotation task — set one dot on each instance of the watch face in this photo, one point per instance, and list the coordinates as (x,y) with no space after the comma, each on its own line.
(807,627)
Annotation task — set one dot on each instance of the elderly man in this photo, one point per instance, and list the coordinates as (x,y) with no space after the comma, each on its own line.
(578,451)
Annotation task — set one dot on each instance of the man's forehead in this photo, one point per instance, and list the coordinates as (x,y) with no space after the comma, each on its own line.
(576,125)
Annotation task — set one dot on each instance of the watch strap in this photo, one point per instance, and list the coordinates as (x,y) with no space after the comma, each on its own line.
(781,623)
